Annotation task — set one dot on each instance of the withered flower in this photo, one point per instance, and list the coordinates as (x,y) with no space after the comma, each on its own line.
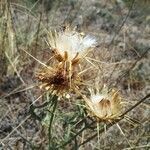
(68,47)
(105,105)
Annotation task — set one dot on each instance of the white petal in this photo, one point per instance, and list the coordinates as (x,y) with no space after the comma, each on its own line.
(89,41)
(97,98)
(72,42)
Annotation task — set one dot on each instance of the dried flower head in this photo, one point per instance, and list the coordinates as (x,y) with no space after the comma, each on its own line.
(58,80)
(104,105)
(69,45)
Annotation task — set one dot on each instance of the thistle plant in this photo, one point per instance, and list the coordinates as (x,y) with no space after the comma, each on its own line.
(69,48)
(61,78)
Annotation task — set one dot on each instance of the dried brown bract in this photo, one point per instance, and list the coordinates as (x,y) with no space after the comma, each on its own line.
(58,80)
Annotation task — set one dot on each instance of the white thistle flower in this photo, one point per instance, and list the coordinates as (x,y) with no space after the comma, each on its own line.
(70,45)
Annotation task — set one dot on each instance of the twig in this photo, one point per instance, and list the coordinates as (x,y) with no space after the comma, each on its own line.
(125,19)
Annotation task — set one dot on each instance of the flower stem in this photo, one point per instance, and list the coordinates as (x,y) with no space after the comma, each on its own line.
(54,104)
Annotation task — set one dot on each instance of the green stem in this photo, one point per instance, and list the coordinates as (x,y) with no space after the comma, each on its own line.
(54,104)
